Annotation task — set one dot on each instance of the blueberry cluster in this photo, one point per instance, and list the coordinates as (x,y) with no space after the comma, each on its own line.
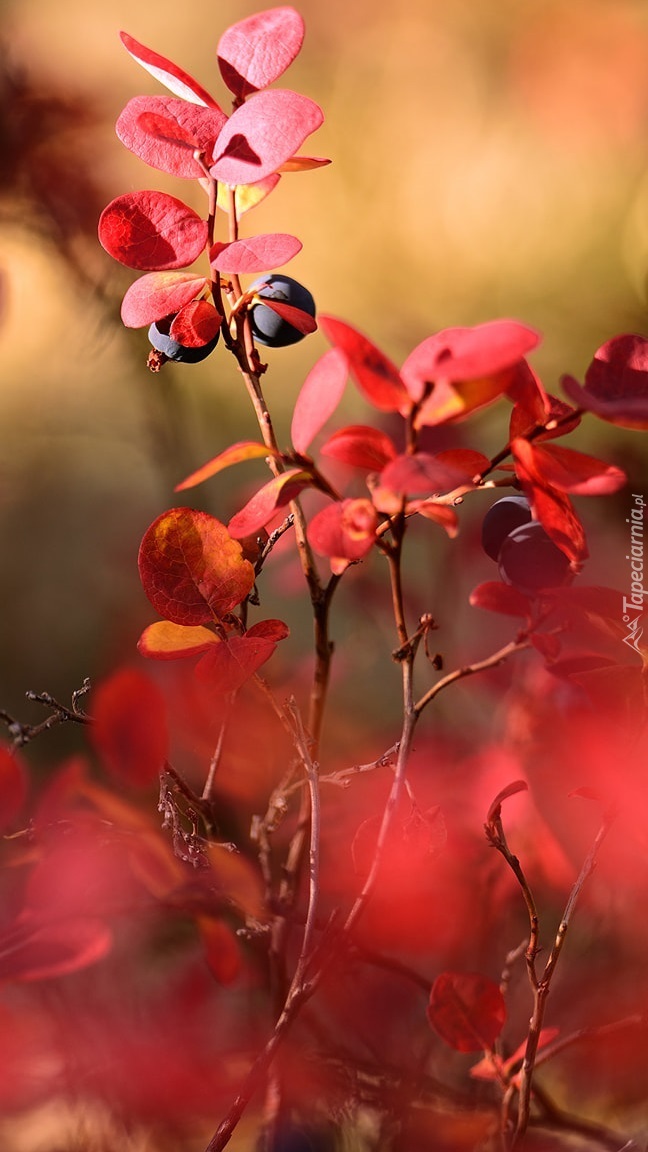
(158,335)
(526,556)
(268,327)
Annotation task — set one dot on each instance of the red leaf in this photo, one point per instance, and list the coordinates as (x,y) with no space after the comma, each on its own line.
(534,408)
(130,729)
(256,254)
(191,568)
(159,294)
(256,51)
(495,596)
(571,471)
(222,950)
(439,514)
(320,395)
(227,666)
(512,789)
(235,454)
(196,324)
(34,950)
(344,531)
(459,355)
(262,134)
(550,506)
(13,787)
(616,383)
(361,446)
(376,376)
(465,459)
(165,132)
(166,641)
(302,321)
(422,474)
(274,630)
(152,231)
(467,1010)
(174,78)
(265,503)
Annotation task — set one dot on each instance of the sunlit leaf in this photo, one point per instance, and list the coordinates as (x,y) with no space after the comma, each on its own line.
(152,231)
(130,728)
(165,132)
(261,508)
(467,1010)
(164,640)
(255,254)
(246,196)
(257,50)
(376,376)
(460,355)
(174,78)
(262,134)
(158,294)
(235,454)
(191,569)
(320,395)
(362,446)
(302,321)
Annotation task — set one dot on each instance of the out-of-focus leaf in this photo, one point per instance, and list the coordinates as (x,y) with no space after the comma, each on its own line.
(344,531)
(261,508)
(191,569)
(152,231)
(257,50)
(226,667)
(362,446)
(320,395)
(423,474)
(130,728)
(467,1010)
(616,383)
(13,786)
(222,950)
(495,596)
(572,471)
(376,376)
(34,949)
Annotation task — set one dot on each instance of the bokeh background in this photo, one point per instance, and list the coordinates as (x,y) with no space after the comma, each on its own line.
(489,159)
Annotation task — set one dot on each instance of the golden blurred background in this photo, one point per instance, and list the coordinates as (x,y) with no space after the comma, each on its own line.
(490,158)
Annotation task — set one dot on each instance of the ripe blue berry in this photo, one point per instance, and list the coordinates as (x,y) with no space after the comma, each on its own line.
(502,517)
(530,561)
(267,326)
(158,334)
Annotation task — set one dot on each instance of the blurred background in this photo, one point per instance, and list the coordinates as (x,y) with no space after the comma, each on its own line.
(489,159)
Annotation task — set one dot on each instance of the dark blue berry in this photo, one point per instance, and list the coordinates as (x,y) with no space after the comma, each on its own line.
(502,517)
(530,561)
(269,327)
(158,335)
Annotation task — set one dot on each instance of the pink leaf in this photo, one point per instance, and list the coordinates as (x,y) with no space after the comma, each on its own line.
(174,78)
(165,132)
(262,134)
(256,254)
(195,324)
(512,789)
(320,395)
(235,454)
(361,446)
(256,51)
(266,502)
(152,231)
(376,376)
(463,354)
(344,531)
(226,667)
(495,596)
(467,1010)
(159,294)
